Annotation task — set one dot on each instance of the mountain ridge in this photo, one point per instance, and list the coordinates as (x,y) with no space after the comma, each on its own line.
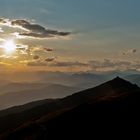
(114,98)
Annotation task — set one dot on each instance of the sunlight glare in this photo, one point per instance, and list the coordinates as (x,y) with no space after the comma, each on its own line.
(9,46)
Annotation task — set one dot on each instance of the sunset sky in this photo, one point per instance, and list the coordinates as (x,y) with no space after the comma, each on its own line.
(72,36)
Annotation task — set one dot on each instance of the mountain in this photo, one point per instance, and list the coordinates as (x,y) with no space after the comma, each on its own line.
(17,86)
(134,78)
(32,92)
(109,108)
(82,80)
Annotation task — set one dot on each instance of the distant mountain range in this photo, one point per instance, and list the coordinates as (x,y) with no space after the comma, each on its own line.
(14,94)
(110,108)
(48,86)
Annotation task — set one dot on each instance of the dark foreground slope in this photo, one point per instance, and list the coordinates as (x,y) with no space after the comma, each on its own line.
(112,107)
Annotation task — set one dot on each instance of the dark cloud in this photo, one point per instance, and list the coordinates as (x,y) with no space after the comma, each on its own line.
(35,35)
(2,21)
(38,62)
(27,25)
(129,52)
(54,32)
(33,30)
(134,50)
(20,22)
(50,59)
(48,49)
(36,57)
(36,30)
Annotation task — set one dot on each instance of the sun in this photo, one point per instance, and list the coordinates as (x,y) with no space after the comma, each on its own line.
(9,46)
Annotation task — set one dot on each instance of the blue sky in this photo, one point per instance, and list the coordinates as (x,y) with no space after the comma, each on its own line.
(91,12)
(101,29)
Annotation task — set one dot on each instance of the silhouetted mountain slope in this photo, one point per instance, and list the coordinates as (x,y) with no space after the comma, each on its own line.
(134,78)
(21,108)
(93,121)
(113,88)
(111,104)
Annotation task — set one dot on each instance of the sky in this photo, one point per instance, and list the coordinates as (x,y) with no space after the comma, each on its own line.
(69,36)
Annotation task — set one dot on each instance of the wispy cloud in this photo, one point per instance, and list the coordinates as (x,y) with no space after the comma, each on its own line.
(36,63)
(2,64)
(94,65)
(69,64)
(1,30)
(111,65)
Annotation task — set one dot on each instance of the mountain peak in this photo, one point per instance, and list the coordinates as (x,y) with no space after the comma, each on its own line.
(120,82)
(119,79)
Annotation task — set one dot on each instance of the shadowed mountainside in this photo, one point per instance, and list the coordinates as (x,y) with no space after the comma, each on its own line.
(103,108)
(134,78)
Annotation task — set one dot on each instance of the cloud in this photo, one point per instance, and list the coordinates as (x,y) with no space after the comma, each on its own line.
(36,63)
(108,63)
(2,64)
(56,63)
(50,59)
(2,40)
(40,50)
(22,49)
(35,35)
(2,21)
(129,52)
(36,30)
(39,62)
(69,64)
(36,57)
(20,22)
(48,49)
(1,30)
(111,65)
(32,30)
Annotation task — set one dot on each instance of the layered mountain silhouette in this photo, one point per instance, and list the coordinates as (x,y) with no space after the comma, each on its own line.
(22,93)
(112,107)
